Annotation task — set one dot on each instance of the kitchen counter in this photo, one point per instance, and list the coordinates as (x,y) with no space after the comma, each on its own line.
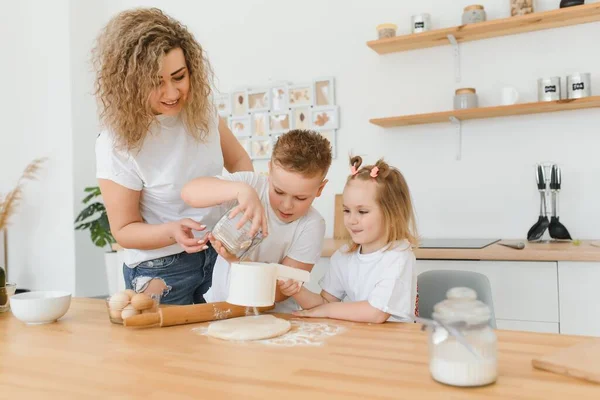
(84,355)
(560,251)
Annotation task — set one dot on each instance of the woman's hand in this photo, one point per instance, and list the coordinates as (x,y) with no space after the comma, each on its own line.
(221,250)
(182,233)
(251,206)
(289,287)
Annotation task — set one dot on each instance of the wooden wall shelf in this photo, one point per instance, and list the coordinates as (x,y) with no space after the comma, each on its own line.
(489,112)
(489,29)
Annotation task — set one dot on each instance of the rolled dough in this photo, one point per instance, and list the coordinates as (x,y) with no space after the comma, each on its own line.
(249,328)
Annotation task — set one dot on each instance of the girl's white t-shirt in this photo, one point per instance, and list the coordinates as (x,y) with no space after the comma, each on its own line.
(168,159)
(387,278)
(301,240)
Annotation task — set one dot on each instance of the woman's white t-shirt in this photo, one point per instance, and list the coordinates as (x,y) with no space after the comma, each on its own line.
(387,278)
(300,240)
(168,159)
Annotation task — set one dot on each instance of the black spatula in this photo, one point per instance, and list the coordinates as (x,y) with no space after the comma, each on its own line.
(556,229)
(538,229)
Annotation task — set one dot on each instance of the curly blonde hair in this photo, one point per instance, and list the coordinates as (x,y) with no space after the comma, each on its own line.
(393,196)
(127,59)
(304,151)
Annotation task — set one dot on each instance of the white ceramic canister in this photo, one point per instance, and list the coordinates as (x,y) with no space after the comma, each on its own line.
(549,89)
(473,14)
(579,86)
(420,23)
(465,98)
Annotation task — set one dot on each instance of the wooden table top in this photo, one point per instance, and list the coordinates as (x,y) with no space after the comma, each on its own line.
(83,355)
(586,250)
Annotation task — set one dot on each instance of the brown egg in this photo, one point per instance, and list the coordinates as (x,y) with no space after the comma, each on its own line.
(118,301)
(130,293)
(128,312)
(142,302)
(116,315)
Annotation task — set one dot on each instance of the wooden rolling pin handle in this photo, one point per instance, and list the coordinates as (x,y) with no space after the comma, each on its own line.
(142,320)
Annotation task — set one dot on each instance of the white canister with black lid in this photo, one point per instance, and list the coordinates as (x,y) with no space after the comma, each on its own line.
(549,89)
(579,86)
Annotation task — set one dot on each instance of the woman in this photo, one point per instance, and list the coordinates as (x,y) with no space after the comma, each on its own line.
(153,86)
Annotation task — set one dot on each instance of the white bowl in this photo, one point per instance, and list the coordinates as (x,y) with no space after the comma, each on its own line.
(40,307)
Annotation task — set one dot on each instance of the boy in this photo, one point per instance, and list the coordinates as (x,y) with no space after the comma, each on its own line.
(297,170)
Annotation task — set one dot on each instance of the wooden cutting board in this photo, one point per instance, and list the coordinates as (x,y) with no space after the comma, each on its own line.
(580,361)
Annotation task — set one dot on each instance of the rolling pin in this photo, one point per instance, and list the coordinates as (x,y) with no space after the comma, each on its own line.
(181,315)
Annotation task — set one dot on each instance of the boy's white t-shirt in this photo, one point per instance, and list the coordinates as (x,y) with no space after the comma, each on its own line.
(301,240)
(168,159)
(387,278)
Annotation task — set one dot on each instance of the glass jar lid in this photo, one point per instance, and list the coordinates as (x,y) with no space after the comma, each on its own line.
(474,7)
(461,305)
(465,91)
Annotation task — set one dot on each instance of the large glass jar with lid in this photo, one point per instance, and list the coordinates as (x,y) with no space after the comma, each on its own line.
(472,362)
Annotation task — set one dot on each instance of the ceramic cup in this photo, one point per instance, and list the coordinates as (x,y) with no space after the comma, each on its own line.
(510,96)
(549,89)
(420,23)
(578,86)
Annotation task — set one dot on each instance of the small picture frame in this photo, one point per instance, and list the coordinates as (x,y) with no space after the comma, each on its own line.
(324,92)
(279,98)
(324,118)
(300,95)
(241,126)
(301,118)
(279,122)
(223,104)
(261,149)
(259,100)
(331,136)
(239,103)
(260,124)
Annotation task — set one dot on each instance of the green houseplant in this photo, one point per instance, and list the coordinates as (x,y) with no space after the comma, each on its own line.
(94,218)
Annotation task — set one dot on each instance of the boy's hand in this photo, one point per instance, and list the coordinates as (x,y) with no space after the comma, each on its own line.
(221,250)
(289,287)
(251,206)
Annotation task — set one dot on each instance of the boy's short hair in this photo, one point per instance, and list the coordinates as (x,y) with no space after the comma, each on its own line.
(304,151)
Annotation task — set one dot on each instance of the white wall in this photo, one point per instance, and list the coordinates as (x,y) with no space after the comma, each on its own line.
(86,19)
(490,193)
(35,106)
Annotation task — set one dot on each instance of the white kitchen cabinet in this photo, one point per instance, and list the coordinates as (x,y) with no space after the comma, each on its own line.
(522,290)
(528,326)
(579,292)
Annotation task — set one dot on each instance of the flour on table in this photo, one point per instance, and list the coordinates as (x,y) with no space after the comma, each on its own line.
(301,334)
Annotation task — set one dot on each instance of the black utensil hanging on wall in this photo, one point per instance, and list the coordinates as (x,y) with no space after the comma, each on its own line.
(538,229)
(556,229)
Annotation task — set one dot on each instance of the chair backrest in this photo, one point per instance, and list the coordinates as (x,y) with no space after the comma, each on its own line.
(433,286)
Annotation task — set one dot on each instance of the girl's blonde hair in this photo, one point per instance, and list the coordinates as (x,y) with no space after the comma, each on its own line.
(393,197)
(127,59)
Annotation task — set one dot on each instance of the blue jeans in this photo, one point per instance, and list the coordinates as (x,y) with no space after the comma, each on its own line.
(186,276)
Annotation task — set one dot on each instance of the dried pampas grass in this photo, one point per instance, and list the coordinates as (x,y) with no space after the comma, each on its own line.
(9,203)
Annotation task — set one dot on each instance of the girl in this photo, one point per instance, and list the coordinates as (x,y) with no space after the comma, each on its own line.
(375,274)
